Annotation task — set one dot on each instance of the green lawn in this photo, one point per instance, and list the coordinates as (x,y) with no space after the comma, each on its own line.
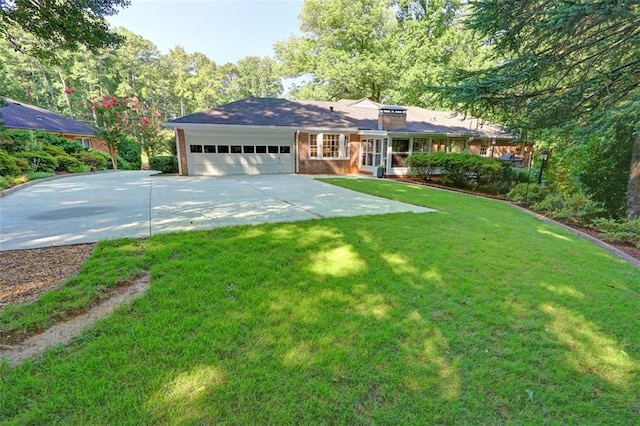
(477,314)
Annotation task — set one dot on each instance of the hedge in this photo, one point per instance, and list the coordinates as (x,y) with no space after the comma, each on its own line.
(39,161)
(8,166)
(164,163)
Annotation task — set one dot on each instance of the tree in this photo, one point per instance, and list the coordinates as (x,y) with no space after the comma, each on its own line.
(559,64)
(59,24)
(148,130)
(113,119)
(256,77)
(345,47)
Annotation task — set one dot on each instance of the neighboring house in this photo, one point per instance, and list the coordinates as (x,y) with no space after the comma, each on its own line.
(264,135)
(22,116)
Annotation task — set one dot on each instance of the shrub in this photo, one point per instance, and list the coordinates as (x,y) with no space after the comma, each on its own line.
(131,153)
(4,183)
(576,207)
(39,161)
(23,164)
(67,163)
(93,159)
(421,165)
(53,150)
(69,146)
(528,193)
(164,163)
(621,230)
(8,166)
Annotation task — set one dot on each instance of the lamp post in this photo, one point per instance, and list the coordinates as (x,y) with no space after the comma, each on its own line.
(544,156)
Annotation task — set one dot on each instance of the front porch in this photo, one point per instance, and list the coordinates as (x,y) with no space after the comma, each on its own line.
(393,150)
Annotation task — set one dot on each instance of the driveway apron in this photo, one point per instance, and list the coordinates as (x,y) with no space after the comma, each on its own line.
(91,208)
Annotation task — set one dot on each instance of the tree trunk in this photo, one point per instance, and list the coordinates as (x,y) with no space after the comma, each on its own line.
(633,194)
(66,95)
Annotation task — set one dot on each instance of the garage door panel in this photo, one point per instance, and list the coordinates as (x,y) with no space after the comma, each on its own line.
(235,160)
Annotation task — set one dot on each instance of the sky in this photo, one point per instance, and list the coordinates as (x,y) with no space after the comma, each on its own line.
(224,30)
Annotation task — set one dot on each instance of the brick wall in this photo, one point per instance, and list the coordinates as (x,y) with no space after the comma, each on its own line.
(392,120)
(182,149)
(328,166)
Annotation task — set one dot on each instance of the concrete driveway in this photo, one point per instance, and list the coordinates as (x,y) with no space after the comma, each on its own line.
(90,208)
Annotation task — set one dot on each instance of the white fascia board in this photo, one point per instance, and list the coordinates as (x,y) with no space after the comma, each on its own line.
(372,132)
(202,126)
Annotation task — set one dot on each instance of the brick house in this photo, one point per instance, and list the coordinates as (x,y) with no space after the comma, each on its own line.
(21,116)
(266,135)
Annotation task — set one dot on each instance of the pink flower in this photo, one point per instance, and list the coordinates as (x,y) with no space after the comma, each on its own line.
(145,121)
(85,116)
(68,90)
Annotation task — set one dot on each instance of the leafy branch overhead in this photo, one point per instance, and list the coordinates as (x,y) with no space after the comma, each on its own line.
(59,24)
(556,61)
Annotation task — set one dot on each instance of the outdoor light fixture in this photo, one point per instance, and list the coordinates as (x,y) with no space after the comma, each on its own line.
(544,156)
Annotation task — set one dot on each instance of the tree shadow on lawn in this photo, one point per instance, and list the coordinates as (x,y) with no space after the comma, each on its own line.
(379,319)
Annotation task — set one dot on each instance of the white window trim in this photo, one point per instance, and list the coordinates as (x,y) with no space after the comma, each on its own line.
(82,142)
(343,146)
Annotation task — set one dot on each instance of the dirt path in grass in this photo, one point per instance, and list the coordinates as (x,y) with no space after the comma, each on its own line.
(63,332)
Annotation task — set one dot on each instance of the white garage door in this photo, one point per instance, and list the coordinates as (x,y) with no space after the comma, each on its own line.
(240,154)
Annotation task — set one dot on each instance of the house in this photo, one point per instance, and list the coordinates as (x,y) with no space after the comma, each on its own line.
(22,116)
(266,135)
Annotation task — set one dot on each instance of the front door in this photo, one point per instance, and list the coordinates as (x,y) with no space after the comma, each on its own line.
(371,154)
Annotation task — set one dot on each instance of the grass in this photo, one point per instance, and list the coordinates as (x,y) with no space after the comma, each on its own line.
(477,314)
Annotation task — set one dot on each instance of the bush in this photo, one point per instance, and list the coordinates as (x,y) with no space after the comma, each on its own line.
(53,150)
(131,153)
(621,230)
(4,183)
(8,166)
(67,163)
(421,165)
(93,159)
(39,161)
(576,207)
(70,147)
(528,193)
(164,163)
(23,164)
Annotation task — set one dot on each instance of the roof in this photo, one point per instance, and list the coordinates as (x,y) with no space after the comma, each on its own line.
(343,114)
(19,115)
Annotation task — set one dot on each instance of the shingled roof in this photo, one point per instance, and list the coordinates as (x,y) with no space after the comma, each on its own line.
(344,114)
(19,115)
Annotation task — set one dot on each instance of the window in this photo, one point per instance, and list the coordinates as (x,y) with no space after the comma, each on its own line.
(400,152)
(273,149)
(261,149)
(223,149)
(285,149)
(86,143)
(248,149)
(210,149)
(326,145)
(420,145)
(484,148)
(236,149)
(195,148)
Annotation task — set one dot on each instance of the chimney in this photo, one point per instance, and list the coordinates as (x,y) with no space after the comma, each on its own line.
(392,117)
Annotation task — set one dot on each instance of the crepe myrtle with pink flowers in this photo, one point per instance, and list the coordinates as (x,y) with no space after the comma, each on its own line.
(118,118)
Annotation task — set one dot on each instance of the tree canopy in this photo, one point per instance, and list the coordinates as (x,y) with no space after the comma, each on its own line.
(564,65)
(59,24)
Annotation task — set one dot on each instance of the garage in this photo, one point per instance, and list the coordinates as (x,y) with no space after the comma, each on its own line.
(239,153)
